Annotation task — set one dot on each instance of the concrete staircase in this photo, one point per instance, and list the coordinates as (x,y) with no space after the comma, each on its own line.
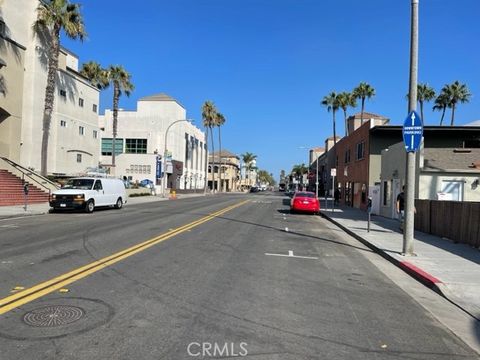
(11,191)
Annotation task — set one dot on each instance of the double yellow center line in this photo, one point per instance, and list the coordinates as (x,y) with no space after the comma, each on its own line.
(44,288)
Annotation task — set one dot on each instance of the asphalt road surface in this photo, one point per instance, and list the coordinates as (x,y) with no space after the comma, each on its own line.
(209,277)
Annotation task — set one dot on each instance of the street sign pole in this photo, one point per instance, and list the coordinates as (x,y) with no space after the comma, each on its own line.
(411,157)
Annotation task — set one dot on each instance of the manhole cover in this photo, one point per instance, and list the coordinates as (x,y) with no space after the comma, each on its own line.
(51,316)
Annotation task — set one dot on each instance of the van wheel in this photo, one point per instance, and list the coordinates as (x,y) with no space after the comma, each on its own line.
(119,203)
(90,206)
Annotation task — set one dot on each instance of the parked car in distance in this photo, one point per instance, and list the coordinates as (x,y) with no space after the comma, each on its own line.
(281,187)
(87,193)
(304,201)
(254,189)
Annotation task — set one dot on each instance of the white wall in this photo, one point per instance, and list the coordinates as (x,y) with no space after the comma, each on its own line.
(431,183)
(150,122)
(64,145)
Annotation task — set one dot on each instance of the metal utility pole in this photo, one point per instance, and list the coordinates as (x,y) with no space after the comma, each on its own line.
(411,156)
(165,150)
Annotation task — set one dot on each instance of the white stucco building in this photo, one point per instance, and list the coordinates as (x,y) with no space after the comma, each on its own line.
(74,133)
(140,143)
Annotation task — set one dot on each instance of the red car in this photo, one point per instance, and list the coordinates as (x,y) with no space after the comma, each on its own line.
(305,201)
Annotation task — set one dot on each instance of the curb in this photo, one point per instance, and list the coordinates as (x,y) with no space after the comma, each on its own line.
(18,216)
(415,272)
(418,274)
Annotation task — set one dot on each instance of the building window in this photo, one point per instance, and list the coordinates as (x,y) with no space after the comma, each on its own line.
(63,123)
(80,102)
(95,134)
(360,150)
(94,108)
(107,146)
(81,130)
(136,146)
(347,156)
(79,158)
(63,93)
(386,193)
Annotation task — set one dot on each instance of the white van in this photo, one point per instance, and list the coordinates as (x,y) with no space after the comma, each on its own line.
(89,192)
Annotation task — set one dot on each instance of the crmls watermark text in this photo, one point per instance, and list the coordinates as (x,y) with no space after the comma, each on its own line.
(208,349)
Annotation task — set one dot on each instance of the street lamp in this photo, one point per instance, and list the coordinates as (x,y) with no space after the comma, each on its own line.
(164,184)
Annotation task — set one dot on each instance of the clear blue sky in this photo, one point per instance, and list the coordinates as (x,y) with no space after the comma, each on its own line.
(267,63)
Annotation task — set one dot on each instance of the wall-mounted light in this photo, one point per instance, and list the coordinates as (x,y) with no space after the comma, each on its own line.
(475,183)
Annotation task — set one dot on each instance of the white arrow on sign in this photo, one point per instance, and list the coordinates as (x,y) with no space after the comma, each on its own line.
(413,124)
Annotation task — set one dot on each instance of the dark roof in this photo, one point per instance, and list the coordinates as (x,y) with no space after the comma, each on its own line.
(426,128)
(159,97)
(367,115)
(441,159)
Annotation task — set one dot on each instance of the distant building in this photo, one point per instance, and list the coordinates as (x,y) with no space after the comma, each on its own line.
(226,167)
(140,144)
(248,176)
(74,132)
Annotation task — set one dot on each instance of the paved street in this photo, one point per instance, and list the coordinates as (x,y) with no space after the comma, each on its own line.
(236,273)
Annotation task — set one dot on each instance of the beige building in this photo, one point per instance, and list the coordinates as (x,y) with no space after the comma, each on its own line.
(442,174)
(74,132)
(226,165)
(140,144)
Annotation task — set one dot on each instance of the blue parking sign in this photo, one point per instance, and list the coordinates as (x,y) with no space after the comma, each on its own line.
(412,132)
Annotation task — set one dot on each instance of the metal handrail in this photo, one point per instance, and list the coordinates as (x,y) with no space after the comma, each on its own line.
(28,173)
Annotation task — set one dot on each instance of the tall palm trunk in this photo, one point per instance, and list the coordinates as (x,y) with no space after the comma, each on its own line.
(363,108)
(49,97)
(421,111)
(220,158)
(205,185)
(443,115)
(453,115)
(116,97)
(213,160)
(334,129)
(346,124)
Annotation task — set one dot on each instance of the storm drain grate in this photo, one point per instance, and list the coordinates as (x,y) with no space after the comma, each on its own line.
(51,316)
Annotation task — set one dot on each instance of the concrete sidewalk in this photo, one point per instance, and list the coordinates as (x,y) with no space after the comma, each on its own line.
(7,212)
(450,269)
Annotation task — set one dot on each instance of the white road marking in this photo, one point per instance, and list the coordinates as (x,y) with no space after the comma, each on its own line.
(290,254)
(10,226)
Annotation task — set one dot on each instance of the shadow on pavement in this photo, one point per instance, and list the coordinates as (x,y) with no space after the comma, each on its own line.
(359,216)
(295,233)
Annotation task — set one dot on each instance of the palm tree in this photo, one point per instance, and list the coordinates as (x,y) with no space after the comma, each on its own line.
(299,170)
(458,93)
(53,16)
(121,81)
(363,91)
(332,104)
(209,115)
(97,75)
(248,159)
(425,93)
(441,103)
(346,100)
(220,120)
